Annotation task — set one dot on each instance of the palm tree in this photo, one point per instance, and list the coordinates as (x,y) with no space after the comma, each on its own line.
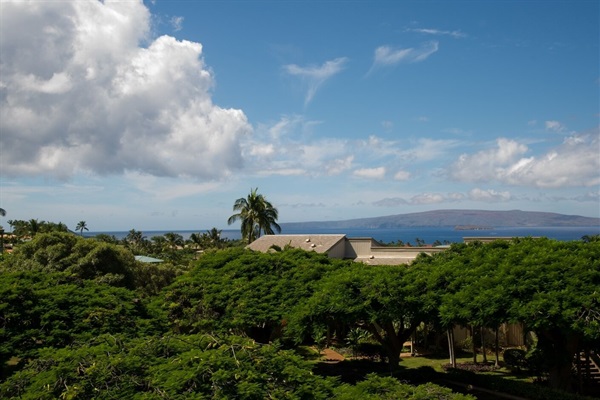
(81,226)
(2,212)
(174,240)
(34,226)
(256,214)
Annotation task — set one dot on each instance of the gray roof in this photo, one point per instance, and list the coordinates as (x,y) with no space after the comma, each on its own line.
(147,259)
(318,243)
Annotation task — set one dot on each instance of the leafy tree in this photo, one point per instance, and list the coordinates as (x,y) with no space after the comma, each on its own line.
(256,214)
(549,286)
(388,301)
(175,367)
(54,310)
(81,226)
(376,387)
(103,237)
(193,367)
(245,292)
(84,259)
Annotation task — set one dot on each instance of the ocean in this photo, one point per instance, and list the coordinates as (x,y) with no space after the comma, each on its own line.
(406,235)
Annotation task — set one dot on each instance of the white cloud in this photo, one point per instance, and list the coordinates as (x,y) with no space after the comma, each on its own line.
(554,126)
(490,195)
(402,176)
(176,23)
(370,173)
(428,198)
(389,56)
(339,165)
(439,32)
(315,76)
(79,93)
(574,163)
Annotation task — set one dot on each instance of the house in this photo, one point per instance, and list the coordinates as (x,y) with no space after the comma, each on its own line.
(365,250)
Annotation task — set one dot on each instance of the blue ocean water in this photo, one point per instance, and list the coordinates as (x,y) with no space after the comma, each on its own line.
(406,235)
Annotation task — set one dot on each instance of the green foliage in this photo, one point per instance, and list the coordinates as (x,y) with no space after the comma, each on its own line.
(30,228)
(376,387)
(150,278)
(174,367)
(244,291)
(515,360)
(81,258)
(388,301)
(549,286)
(53,310)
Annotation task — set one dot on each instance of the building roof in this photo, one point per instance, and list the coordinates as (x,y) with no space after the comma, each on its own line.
(147,259)
(318,243)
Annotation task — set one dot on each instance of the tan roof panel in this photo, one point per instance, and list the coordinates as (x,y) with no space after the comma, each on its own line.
(318,243)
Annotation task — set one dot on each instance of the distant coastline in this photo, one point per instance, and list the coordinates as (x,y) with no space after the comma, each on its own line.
(473,228)
(405,234)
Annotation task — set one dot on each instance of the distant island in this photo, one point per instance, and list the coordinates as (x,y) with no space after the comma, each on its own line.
(480,219)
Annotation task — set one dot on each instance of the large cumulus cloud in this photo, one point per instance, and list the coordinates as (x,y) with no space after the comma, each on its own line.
(83,88)
(573,163)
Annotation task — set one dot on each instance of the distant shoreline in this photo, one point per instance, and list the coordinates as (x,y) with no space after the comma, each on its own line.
(473,228)
(405,234)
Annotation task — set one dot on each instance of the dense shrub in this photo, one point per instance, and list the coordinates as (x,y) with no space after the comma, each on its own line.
(514,359)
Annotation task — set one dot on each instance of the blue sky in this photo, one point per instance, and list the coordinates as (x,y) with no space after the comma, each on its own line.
(158,115)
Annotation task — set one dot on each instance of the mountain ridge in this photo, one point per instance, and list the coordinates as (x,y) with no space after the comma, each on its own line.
(454,218)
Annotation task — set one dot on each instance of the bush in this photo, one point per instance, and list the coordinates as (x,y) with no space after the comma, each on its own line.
(515,360)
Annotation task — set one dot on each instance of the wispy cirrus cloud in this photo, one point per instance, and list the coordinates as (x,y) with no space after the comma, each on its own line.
(176,23)
(438,32)
(315,76)
(387,56)
(554,126)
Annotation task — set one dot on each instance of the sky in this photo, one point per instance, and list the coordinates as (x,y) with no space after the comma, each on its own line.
(158,115)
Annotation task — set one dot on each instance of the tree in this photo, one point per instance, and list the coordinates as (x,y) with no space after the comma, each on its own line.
(2,212)
(81,226)
(388,301)
(174,240)
(193,367)
(136,241)
(81,258)
(256,214)
(245,292)
(551,287)
(54,310)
